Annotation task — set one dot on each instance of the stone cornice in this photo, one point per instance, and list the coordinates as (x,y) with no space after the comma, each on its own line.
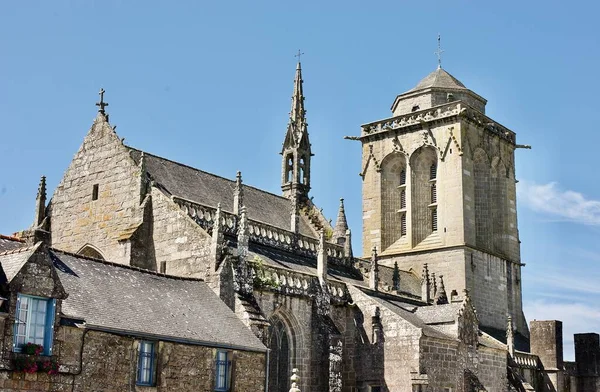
(442,113)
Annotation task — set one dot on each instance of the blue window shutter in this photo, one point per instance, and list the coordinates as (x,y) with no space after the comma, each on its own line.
(16,324)
(49,330)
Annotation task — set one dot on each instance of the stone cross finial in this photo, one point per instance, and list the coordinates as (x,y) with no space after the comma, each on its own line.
(299,54)
(101,104)
(295,380)
(439,51)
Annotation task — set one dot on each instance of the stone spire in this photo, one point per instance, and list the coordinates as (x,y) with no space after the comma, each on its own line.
(425,289)
(238,194)
(440,297)
(341,232)
(341,224)
(374,272)
(40,204)
(296,151)
(242,235)
(510,337)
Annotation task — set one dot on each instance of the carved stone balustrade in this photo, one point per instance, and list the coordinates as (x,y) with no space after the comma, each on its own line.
(526,360)
(438,113)
(294,283)
(262,233)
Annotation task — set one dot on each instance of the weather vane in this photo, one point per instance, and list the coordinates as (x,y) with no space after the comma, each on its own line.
(439,51)
(299,54)
(101,104)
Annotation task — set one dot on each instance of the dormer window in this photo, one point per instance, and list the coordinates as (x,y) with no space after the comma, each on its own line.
(34,322)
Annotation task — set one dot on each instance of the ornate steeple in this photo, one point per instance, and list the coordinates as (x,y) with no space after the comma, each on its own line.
(296,152)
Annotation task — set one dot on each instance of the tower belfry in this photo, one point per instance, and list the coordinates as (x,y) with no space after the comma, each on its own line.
(295,179)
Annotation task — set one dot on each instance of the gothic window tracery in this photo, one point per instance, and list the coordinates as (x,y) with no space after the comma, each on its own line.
(279,360)
(424,193)
(393,198)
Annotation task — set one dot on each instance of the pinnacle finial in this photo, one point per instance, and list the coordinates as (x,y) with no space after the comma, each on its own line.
(439,51)
(42,188)
(101,105)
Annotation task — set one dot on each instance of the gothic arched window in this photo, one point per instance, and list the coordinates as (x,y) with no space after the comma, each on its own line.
(279,359)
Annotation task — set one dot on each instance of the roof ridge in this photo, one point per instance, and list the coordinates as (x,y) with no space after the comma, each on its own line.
(17,250)
(125,266)
(11,238)
(206,172)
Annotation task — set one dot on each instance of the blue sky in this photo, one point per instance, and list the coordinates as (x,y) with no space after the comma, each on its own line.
(209,83)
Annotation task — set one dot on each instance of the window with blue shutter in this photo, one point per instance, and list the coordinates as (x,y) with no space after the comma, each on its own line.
(34,322)
(223,375)
(146,363)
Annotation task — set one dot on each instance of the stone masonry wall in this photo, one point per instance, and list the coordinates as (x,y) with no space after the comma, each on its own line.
(296,314)
(448,182)
(109,362)
(76,219)
(388,363)
(179,242)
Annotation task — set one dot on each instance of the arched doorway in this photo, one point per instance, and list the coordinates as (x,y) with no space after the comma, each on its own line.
(279,359)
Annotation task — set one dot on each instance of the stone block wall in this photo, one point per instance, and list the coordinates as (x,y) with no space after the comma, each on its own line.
(491,369)
(76,219)
(179,242)
(108,362)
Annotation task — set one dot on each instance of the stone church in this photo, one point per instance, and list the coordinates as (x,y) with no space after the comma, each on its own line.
(434,303)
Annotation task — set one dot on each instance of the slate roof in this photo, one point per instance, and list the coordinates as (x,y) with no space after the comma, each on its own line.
(280,258)
(409,282)
(122,298)
(13,260)
(10,243)
(209,189)
(438,314)
(439,79)
(408,312)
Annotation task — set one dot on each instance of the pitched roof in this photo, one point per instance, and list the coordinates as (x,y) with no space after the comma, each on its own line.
(446,313)
(10,243)
(209,189)
(13,260)
(439,79)
(123,298)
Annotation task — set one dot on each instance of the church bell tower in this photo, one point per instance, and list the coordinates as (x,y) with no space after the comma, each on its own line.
(439,188)
(295,174)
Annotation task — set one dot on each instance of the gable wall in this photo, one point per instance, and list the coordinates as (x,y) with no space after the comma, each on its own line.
(77,220)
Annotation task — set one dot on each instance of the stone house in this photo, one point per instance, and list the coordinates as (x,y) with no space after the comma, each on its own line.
(434,304)
(102,326)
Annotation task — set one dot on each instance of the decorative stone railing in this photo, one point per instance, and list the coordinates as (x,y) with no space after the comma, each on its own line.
(292,283)
(205,215)
(262,233)
(526,360)
(438,113)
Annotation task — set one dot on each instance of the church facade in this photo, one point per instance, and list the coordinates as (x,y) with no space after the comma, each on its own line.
(434,304)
